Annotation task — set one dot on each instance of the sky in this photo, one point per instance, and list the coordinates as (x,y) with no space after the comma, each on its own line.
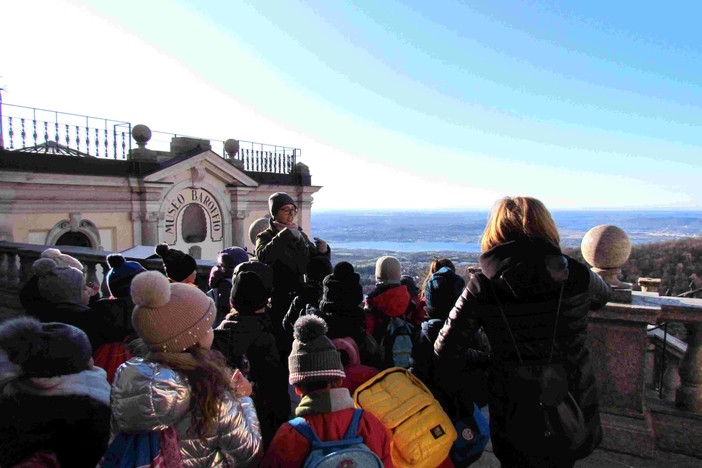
(395,105)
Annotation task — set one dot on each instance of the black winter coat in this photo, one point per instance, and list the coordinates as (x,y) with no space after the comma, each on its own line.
(527,275)
(76,428)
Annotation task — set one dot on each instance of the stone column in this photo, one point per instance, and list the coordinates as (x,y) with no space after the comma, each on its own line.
(149,228)
(689,394)
(238,228)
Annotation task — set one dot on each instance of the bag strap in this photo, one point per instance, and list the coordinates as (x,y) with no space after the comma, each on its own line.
(509,329)
(352,431)
(304,428)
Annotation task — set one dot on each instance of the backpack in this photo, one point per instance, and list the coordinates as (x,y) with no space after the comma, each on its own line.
(348,452)
(473,434)
(543,417)
(422,433)
(397,343)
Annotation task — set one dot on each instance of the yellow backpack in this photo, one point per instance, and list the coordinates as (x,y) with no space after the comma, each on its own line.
(422,433)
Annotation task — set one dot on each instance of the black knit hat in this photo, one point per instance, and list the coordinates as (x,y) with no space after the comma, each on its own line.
(121,273)
(318,268)
(45,349)
(248,293)
(342,287)
(314,357)
(178,265)
(279,200)
(265,272)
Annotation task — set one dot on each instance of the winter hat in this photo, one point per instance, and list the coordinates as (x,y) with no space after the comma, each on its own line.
(342,286)
(279,200)
(230,257)
(61,259)
(410,284)
(45,349)
(318,268)
(314,357)
(388,270)
(264,272)
(248,293)
(178,265)
(58,285)
(121,274)
(170,317)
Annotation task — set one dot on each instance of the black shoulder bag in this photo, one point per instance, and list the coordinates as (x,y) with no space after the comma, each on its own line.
(542,416)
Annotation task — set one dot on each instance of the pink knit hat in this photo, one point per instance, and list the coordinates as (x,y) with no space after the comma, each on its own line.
(170,317)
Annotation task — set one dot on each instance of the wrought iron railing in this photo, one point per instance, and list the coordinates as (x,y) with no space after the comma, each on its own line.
(34,130)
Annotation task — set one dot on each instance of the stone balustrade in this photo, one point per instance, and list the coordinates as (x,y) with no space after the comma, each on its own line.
(16,268)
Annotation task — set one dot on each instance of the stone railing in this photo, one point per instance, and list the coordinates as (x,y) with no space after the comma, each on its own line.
(635,418)
(16,268)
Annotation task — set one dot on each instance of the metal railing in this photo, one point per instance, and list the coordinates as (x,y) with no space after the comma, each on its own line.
(42,131)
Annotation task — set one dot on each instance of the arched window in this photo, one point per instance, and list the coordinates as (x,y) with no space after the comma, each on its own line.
(194,224)
(77,239)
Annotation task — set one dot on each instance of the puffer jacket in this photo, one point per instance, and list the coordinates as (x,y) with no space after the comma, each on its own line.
(384,302)
(526,275)
(148,396)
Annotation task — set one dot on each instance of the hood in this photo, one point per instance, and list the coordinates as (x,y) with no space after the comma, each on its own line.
(349,345)
(390,299)
(525,267)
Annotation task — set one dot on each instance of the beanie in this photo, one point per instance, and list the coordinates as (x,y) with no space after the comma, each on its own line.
(248,293)
(279,200)
(45,349)
(230,257)
(343,286)
(121,274)
(314,357)
(388,270)
(264,272)
(170,317)
(61,259)
(178,265)
(58,285)
(318,268)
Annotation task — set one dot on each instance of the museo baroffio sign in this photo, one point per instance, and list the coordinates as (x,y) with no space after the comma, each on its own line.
(181,216)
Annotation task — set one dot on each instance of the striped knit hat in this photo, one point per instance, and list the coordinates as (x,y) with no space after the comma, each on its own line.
(170,317)
(314,357)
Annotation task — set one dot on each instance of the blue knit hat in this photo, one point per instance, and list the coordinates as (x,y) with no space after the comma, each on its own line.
(119,278)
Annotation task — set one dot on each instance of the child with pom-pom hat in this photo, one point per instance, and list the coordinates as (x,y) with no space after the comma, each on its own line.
(317,374)
(182,383)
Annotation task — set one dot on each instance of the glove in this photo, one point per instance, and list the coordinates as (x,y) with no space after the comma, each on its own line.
(321,245)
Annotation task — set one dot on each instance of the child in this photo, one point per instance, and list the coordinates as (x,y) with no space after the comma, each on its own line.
(221,275)
(317,374)
(179,266)
(182,383)
(54,403)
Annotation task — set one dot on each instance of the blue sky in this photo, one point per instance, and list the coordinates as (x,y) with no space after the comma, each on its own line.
(396,104)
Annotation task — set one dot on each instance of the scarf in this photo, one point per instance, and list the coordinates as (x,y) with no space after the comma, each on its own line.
(91,383)
(325,401)
(280,226)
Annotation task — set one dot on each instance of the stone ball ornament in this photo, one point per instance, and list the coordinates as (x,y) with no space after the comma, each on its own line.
(257,227)
(607,248)
(141,134)
(231,147)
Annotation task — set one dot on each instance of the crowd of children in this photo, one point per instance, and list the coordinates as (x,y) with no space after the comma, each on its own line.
(261,368)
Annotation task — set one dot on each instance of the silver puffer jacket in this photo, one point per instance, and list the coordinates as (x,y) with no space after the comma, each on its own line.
(147,396)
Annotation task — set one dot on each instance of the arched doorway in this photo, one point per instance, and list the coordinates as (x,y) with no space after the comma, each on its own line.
(77,239)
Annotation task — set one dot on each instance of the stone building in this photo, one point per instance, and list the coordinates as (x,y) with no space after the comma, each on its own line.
(84,185)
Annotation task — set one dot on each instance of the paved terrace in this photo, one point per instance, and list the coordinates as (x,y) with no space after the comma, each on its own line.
(650,383)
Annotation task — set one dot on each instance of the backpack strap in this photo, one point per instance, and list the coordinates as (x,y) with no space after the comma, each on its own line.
(305,430)
(352,431)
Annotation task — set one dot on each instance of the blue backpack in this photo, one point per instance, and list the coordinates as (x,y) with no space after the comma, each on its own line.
(348,452)
(397,343)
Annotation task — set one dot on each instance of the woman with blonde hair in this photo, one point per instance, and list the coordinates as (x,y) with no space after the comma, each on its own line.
(533,303)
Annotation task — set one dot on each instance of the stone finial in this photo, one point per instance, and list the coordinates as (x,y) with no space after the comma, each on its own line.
(607,248)
(141,134)
(257,227)
(231,147)
(302,168)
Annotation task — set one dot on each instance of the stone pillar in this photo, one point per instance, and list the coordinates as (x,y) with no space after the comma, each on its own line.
(617,339)
(689,394)
(149,228)
(238,228)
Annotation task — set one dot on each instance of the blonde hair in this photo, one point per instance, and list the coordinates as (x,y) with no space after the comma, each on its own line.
(515,217)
